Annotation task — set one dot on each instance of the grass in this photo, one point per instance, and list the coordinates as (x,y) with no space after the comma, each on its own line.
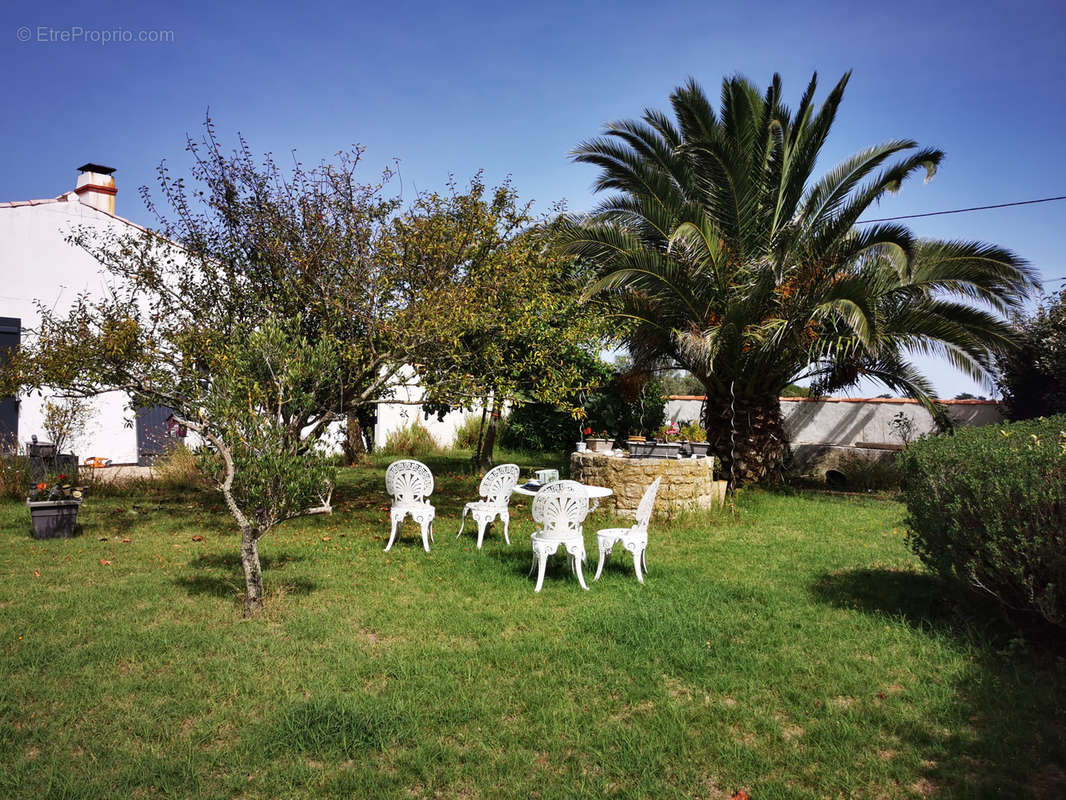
(797,650)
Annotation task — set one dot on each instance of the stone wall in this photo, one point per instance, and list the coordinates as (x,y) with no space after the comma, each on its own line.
(688,483)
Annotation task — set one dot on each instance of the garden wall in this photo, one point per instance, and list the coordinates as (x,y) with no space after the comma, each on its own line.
(823,430)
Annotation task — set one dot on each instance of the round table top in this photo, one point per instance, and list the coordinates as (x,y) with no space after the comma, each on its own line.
(595,492)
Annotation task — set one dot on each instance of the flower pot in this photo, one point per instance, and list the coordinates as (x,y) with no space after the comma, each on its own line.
(599,445)
(53,519)
(639,449)
(581,447)
(666,450)
(701,449)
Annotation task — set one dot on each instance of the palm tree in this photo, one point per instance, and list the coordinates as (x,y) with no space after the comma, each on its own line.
(726,257)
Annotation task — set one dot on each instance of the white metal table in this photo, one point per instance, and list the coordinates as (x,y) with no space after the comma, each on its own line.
(596,493)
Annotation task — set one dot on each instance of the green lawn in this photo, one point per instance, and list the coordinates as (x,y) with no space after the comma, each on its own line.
(795,650)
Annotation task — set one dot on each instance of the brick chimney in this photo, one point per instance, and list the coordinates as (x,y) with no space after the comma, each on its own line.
(96,187)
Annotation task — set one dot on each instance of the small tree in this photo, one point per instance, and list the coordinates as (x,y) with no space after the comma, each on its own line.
(265,307)
(240,391)
(1033,377)
(66,419)
(523,333)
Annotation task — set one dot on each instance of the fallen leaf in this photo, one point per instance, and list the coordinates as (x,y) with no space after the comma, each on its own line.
(741,795)
(198,538)
(125,541)
(880,695)
(36,573)
(104,562)
(102,539)
(327,539)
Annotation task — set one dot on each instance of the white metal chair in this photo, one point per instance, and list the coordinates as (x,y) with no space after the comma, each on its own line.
(560,508)
(496,489)
(634,539)
(410,482)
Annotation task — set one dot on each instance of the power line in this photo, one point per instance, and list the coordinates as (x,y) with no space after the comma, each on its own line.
(962,210)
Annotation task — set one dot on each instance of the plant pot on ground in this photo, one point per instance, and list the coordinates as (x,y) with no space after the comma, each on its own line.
(54,508)
(53,519)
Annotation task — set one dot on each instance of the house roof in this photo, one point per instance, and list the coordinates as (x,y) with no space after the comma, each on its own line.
(69,197)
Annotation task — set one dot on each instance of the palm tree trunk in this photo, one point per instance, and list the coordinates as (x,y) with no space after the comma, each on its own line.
(746,436)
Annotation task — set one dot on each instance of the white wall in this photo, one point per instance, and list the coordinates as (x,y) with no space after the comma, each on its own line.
(845,421)
(394,416)
(36,263)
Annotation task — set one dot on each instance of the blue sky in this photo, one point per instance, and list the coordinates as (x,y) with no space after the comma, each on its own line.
(511,88)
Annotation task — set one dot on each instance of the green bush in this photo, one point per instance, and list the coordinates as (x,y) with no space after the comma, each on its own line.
(411,440)
(466,434)
(988,506)
(540,428)
(179,469)
(14,476)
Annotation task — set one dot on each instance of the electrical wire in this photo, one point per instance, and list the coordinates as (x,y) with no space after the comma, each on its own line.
(963,210)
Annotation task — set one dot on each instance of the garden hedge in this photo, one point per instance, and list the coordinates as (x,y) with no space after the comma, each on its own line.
(988,506)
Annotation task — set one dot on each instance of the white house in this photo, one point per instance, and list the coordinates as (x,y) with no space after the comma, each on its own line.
(38,264)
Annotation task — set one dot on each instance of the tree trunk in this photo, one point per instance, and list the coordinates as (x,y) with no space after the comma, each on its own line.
(354,446)
(476,457)
(487,446)
(746,435)
(253,571)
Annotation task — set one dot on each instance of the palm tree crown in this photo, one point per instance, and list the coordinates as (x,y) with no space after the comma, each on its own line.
(728,257)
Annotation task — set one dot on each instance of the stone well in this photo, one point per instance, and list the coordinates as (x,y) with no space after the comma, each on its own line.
(688,483)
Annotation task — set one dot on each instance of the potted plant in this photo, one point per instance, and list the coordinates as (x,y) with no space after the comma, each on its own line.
(695,439)
(600,443)
(666,441)
(54,508)
(638,447)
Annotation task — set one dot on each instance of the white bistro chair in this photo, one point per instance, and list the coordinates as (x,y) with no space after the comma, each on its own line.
(634,539)
(495,490)
(559,508)
(410,483)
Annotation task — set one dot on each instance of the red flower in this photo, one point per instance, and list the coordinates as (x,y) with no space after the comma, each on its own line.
(588,431)
(41,487)
(61,477)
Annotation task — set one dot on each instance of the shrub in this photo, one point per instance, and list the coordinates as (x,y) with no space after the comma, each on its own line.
(864,474)
(541,428)
(177,468)
(988,506)
(14,475)
(411,440)
(466,435)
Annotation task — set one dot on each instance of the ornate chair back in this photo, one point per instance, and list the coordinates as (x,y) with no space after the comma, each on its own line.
(561,507)
(497,484)
(647,505)
(408,481)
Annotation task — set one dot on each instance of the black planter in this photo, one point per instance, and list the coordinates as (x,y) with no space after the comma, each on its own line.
(699,449)
(639,449)
(53,519)
(665,450)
